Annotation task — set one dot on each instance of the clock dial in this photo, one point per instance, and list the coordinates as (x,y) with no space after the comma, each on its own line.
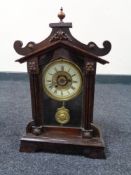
(62,80)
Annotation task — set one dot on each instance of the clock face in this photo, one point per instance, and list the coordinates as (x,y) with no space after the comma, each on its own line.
(62,80)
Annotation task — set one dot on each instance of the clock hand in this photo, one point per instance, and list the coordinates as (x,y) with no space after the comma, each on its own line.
(74,81)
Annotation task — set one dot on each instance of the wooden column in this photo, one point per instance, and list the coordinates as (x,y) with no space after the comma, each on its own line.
(34,86)
(89,86)
(33,71)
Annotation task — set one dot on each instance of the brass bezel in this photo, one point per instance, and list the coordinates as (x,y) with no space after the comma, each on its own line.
(43,80)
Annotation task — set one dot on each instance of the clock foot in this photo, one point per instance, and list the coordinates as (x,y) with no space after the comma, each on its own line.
(95,153)
(28,148)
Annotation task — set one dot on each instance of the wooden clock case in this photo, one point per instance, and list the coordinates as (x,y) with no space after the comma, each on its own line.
(83,136)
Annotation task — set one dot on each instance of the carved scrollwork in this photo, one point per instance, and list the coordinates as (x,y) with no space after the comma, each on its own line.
(90,67)
(23,50)
(32,66)
(88,133)
(93,48)
(30,126)
(60,35)
(36,130)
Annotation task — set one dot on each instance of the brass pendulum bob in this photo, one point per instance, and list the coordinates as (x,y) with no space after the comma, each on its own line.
(62,115)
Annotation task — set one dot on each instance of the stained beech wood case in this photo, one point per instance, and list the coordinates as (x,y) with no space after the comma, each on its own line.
(62,82)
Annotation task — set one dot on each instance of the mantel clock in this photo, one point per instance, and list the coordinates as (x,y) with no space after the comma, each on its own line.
(62,82)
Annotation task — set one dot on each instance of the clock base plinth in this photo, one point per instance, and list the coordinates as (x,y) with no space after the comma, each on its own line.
(60,142)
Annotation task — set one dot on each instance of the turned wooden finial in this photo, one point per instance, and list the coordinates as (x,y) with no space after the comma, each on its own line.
(61,15)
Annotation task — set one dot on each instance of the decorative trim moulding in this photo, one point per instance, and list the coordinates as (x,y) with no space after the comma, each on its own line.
(100,78)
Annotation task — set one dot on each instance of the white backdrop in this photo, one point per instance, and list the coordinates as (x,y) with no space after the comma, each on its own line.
(93,20)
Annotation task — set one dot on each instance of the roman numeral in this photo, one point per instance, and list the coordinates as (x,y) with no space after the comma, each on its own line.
(62,68)
(50,73)
(68,92)
(48,80)
(73,75)
(61,92)
(73,88)
(55,91)
(69,70)
(56,69)
(50,86)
